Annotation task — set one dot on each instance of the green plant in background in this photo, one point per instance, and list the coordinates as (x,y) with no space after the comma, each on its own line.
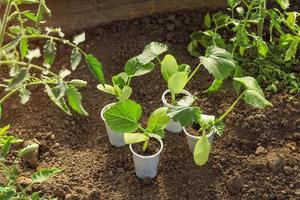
(123,117)
(10,169)
(264,41)
(217,61)
(35,66)
(136,66)
(252,95)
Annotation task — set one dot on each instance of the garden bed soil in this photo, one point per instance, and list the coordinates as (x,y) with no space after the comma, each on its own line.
(258,157)
(153,148)
(194,130)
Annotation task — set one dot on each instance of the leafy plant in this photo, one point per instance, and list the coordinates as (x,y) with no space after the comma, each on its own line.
(28,66)
(136,66)
(252,95)
(10,169)
(217,61)
(123,117)
(264,41)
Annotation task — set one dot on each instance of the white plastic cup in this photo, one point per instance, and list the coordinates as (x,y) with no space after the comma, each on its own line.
(192,139)
(116,139)
(173,126)
(146,166)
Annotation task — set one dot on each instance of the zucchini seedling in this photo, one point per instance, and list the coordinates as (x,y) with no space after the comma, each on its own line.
(217,61)
(123,117)
(136,66)
(252,95)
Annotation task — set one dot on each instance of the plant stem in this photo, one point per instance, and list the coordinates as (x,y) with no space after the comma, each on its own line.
(3,99)
(56,39)
(4,21)
(145,145)
(173,96)
(194,72)
(141,128)
(230,108)
(28,65)
(261,21)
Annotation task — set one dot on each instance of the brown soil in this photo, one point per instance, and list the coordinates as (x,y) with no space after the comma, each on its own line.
(258,157)
(153,148)
(193,129)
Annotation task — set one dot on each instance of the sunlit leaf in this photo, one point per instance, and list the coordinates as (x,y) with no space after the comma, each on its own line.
(132,138)
(262,48)
(23,47)
(75,58)
(284,4)
(75,100)
(24,95)
(19,79)
(123,116)
(28,149)
(177,82)
(49,52)
(43,175)
(202,150)
(79,38)
(95,67)
(159,118)
(207,21)
(151,51)
(134,68)
(36,53)
(169,66)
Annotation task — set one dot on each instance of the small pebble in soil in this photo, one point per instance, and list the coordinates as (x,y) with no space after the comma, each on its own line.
(287,170)
(234,184)
(260,150)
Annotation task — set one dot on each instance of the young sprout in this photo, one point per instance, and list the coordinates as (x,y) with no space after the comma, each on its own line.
(217,61)
(124,116)
(252,95)
(136,66)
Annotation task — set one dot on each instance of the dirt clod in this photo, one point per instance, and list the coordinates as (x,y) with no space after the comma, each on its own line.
(234,184)
(261,150)
(287,170)
(275,162)
(32,158)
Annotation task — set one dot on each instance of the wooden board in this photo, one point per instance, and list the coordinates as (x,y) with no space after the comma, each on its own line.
(75,15)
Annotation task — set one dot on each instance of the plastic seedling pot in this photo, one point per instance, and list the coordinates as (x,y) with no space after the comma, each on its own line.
(192,139)
(173,126)
(116,139)
(146,166)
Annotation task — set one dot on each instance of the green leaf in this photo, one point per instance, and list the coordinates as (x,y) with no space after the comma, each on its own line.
(7,193)
(31,16)
(120,80)
(218,128)
(151,51)
(262,48)
(159,118)
(169,66)
(125,93)
(75,58)
(291,20)
(202,150)
(206,121)
(238,72)
(233,3)
(95,67)
(6,148)
(79,38)
(132,138)
(63,73)
(134,68)
(35,196)
(75,100)
(292,50)
(78,83)
(218,62)
(240,10)
(49,53)
(253,94)
(123,116)
(19,79)
(215,86)
(44,174)
(193,48)
(177,82)
(207,21)
(23,47)
(54,93)
(107,89)
(28,149)
(4,129)
(185,112)
(284,4)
